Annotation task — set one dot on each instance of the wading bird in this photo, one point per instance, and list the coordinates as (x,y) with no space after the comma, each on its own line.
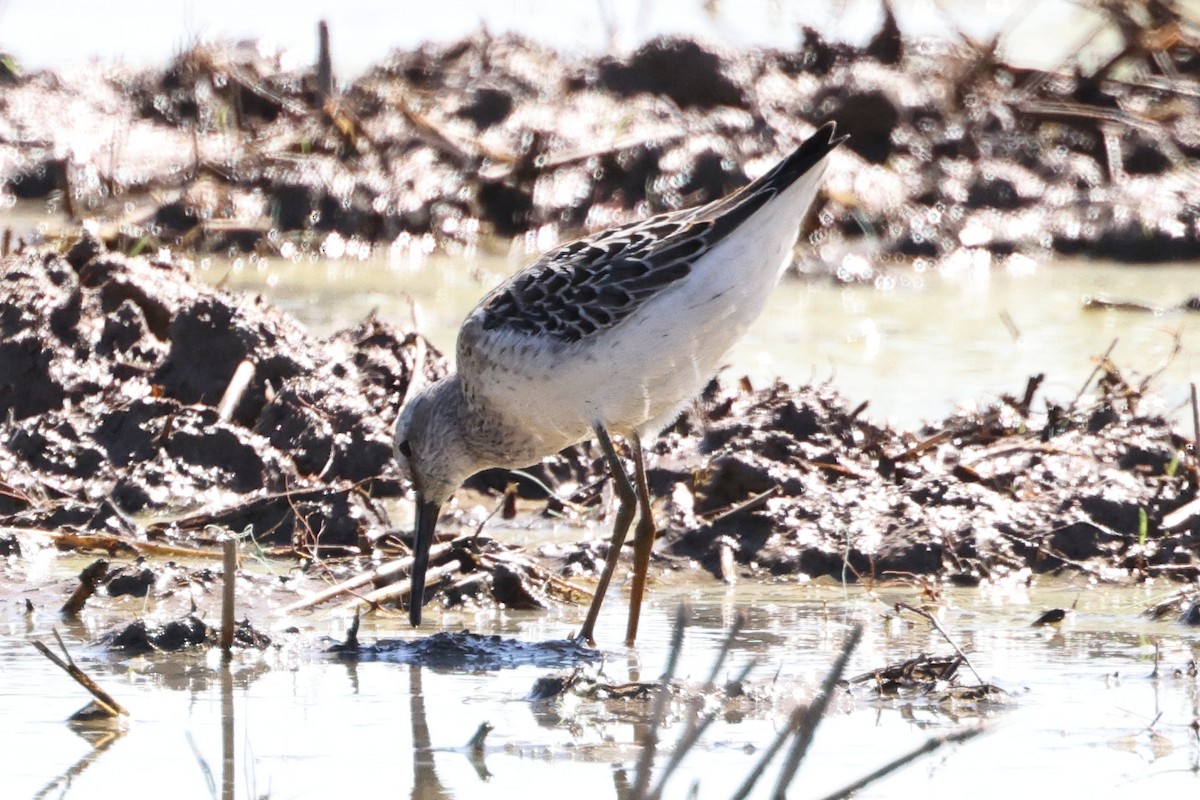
(610,334)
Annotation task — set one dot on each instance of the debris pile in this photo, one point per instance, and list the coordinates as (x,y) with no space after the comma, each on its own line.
(225,150)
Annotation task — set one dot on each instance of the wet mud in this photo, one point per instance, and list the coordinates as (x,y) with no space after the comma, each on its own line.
(114,386)
(119,434)
(225,150)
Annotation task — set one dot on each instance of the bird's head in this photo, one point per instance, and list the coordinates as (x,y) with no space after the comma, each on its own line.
(434,457)
(429,445)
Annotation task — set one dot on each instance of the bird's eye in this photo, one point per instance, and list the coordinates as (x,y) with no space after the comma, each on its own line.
(405,449)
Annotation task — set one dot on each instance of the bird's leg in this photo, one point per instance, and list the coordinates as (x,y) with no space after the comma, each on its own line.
(643,540)
(625,510)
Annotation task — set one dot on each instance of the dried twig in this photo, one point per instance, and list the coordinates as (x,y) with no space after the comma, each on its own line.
(72,540)
(401,589)
(229,583)
(1195,435)
(1099,366)
(754,502)
(922,446)
(242,375)
(551,583)
(103,699)
(385,570)
(932,621)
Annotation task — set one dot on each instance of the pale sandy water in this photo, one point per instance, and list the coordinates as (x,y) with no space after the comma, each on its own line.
(914,346)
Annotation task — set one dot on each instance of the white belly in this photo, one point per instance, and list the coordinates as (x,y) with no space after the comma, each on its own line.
(638,374)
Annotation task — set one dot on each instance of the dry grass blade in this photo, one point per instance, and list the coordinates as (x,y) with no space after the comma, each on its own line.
(797,720)
(739,622)
(815,712)
(641,782)
(692,735)
(373,576)
(930,745)
(1195,434)
(768,755)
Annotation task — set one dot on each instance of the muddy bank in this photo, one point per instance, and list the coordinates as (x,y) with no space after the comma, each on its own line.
(119,432)
(224,150)
(115,388)
(793,482)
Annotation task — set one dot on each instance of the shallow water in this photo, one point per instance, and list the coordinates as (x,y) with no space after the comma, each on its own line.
(1085,719)
(913,345)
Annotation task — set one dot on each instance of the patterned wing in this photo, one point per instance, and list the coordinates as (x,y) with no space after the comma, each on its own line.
(592,284)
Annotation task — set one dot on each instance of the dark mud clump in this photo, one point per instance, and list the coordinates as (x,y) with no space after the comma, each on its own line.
(469,651)
(115,400)
(142,636)
(950,147)
(791,482)
(973,497)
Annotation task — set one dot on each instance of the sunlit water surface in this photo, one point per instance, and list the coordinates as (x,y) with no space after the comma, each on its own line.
(1086,717)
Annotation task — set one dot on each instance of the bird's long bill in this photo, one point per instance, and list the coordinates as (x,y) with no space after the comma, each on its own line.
(427,517)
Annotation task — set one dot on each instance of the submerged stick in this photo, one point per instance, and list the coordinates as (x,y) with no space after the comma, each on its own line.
(1013,330)
(475,744)
(103,699)
(228,585)
(89,578)
(228,781)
